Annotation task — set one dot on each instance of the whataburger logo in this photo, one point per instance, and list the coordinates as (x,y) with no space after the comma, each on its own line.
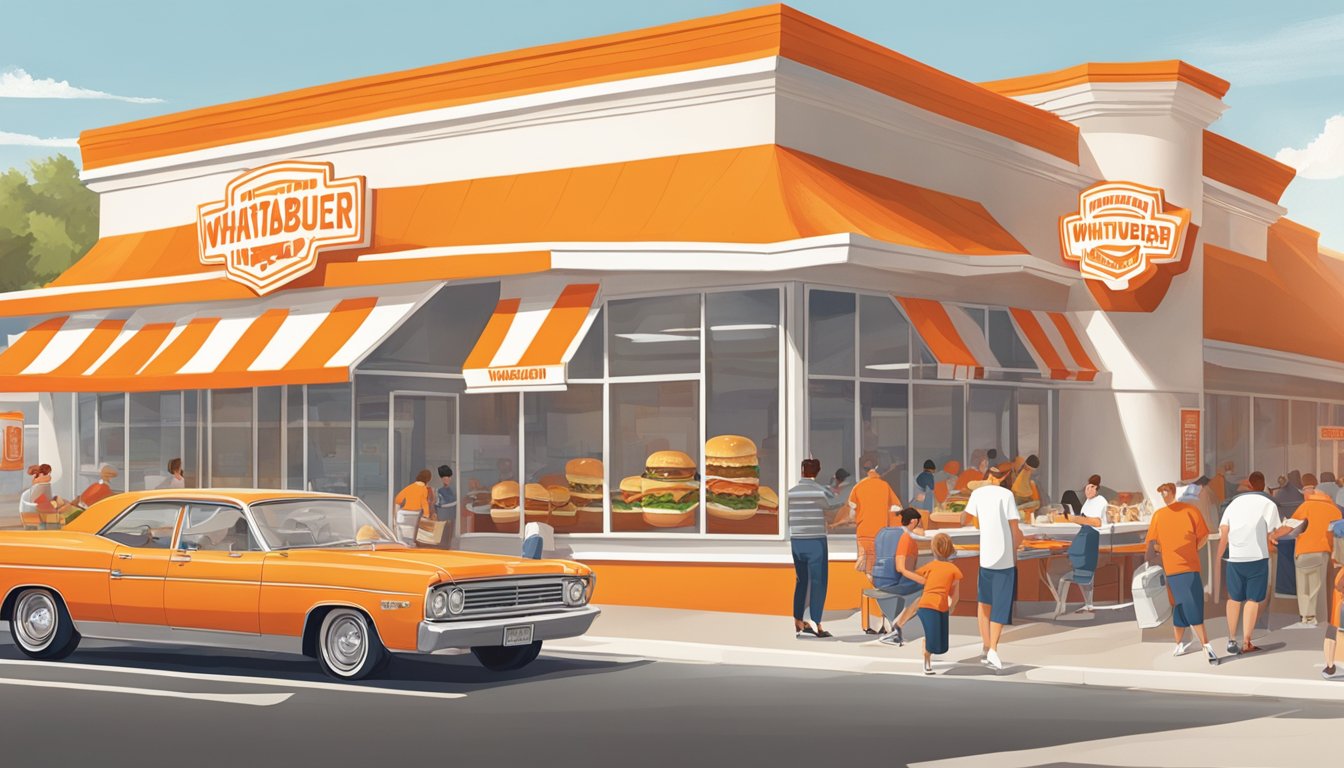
(1121,231)
(274,222)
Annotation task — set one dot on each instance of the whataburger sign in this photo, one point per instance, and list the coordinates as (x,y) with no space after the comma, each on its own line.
(275,220)
(1121,231)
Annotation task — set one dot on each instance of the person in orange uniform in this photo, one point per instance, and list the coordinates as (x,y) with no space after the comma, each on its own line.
(1335,619)
(1314,544)
(941,592)
(871,502)
(1178,530)
(413,504)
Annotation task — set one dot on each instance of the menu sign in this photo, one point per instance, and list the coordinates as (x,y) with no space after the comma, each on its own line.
(1190,443)
(1332,433)
(1121,231)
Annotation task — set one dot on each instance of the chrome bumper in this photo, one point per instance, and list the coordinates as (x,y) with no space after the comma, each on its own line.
(440,635)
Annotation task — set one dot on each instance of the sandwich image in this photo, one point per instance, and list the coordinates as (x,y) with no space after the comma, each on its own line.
(669,494)
(732,478)
(769,501)
(564,515)
(537,503)
(585,489)
(626,509)
(504,504)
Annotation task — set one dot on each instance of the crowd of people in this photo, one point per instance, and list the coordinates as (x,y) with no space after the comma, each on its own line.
(1252,520)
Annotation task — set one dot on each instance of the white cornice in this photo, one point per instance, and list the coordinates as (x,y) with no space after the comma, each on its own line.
(1244,357)
(1242,203)
(1086,101)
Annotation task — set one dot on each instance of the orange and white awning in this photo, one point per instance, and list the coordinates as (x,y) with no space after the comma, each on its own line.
(529,341)
(302,338)
(1055,345)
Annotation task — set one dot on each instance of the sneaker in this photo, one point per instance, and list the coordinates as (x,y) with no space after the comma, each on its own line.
(993,661)
(1328,673)
(1182,648)
(928,667)
(1310,621)
(1213,657)
(1232,648)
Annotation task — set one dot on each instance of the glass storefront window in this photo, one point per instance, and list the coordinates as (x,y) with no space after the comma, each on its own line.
(560,428)
(111,436)
(1302,438)
(294,437)
(1271,439)
(269,460)
(830,333)
(939,425)
(231,438)
(156,439)
(191,437)
(489,456)
(646,418)
(989,414)
(1033,434)
(830,433)
(742,399)
(329,408)
(587,362)
(86,404)
(440,335)
(884,339)
(654,336)
(1006,343)
(1228,448)
(884,414)
(1329,449)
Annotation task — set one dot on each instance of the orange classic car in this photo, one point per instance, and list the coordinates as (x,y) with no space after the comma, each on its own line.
(311,573)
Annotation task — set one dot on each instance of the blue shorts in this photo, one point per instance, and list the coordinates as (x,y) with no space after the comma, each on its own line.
(1248,581)
(935,630)
(1188,591)
(997,588)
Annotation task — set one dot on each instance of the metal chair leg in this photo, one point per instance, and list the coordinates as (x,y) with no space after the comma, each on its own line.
(1062,594)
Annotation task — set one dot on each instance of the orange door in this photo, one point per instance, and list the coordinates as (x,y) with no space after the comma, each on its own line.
(144,536)
(214,578)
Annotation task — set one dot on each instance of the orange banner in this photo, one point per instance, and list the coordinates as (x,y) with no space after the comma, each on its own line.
(1190,443)
(1332,433)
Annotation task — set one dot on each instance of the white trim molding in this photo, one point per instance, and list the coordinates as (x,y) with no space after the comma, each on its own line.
(1244,357)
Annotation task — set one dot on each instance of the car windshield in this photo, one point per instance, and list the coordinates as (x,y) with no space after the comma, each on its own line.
(309,523)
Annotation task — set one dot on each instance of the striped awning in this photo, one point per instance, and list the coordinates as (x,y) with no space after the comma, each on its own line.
(529,341)
(1055,345)
(311,337)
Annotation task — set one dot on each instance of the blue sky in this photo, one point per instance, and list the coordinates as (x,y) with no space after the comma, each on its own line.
(1285,59)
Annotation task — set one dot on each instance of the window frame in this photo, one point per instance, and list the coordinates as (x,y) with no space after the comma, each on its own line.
(177,525)
(243,510)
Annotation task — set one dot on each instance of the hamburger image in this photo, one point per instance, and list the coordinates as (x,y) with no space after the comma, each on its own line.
(732,477)
(769,501)
(537,503)
(564,515)
(504,505)
(585,489)
(626,510)
(669,493)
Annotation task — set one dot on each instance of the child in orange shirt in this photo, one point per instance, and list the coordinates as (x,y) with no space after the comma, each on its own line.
(941,592)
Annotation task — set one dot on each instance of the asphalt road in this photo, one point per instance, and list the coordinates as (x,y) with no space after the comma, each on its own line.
(111,705)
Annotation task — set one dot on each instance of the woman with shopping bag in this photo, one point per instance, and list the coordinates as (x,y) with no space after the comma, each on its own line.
(412,505)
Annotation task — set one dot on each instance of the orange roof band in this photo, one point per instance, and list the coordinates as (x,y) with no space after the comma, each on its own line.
(1241,167)
(1113,72)
(747,35)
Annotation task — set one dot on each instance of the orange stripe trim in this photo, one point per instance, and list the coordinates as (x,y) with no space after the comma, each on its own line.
(563,323)
(1241,167)
(29,346)
(1087,368)
(1172,70)
(340,324)
(182,349)
(137,351)
(253,341)
(935,328)
(93,348)
(493,335)
(1036,336)
(177,381)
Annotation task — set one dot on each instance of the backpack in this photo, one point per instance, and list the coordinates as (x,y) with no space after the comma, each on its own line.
(884,565)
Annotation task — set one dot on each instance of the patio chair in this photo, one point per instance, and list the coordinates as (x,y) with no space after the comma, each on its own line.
(1083,555)
(888,584)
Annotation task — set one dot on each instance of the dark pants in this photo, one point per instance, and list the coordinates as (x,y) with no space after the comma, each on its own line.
(810,564)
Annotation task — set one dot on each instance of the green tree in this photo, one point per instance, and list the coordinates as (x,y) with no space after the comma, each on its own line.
(47,222)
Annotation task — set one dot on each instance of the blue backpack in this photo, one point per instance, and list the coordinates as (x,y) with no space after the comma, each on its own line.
(884,565)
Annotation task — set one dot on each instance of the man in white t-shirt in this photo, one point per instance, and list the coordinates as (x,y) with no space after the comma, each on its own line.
(1247,522)
(1093,512)
(995,512)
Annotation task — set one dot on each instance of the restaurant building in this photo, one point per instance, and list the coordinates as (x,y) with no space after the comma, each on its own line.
(752,224)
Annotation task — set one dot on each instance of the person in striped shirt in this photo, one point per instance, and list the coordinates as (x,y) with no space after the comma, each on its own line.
(807,504)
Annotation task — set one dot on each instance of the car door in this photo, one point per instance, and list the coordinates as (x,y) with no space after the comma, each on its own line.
(214,578)
(144,537)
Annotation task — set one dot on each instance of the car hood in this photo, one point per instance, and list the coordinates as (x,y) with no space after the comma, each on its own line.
(435,565)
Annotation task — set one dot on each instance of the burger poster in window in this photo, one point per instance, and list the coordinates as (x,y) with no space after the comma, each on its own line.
(669,494)
(735,501)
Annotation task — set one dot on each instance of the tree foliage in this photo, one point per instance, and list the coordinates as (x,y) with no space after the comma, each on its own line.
(48,220)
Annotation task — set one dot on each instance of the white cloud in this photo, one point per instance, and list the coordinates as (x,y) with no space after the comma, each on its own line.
(18,84)
(1299,51)
(25,140)
(1323,158)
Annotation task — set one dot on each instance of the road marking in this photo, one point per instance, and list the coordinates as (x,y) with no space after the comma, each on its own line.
(247,699)
(273,682)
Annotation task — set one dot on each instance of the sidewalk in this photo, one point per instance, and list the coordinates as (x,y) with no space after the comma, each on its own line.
(1101,649)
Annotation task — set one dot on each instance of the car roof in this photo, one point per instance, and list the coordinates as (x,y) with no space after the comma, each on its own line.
(100,514)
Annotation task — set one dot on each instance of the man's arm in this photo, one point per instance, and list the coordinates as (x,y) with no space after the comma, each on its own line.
(1018,538)
(954,596)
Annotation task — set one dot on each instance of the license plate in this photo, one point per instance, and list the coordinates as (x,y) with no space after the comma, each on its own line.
(520,635)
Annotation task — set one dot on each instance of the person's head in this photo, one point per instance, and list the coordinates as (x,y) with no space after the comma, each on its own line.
(1167,491)
(1256,482)
(1070,500)
(1308,482)
(1093,486)
(41,473)
(423,476)
(106,472)
(909,517)
(992,455)
(1327,477)
(1295,479)
(445,474)
(1034,462)
(997,473)
(979,460)
(869,463)
(942,547)
(812,468)
(929,466)
(175,467)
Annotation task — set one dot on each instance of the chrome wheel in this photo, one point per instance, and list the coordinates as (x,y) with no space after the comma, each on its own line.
(345,642)
(36,620)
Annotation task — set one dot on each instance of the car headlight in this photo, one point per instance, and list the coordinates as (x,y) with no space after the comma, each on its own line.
(438,604)
(457,600)
(576,592)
